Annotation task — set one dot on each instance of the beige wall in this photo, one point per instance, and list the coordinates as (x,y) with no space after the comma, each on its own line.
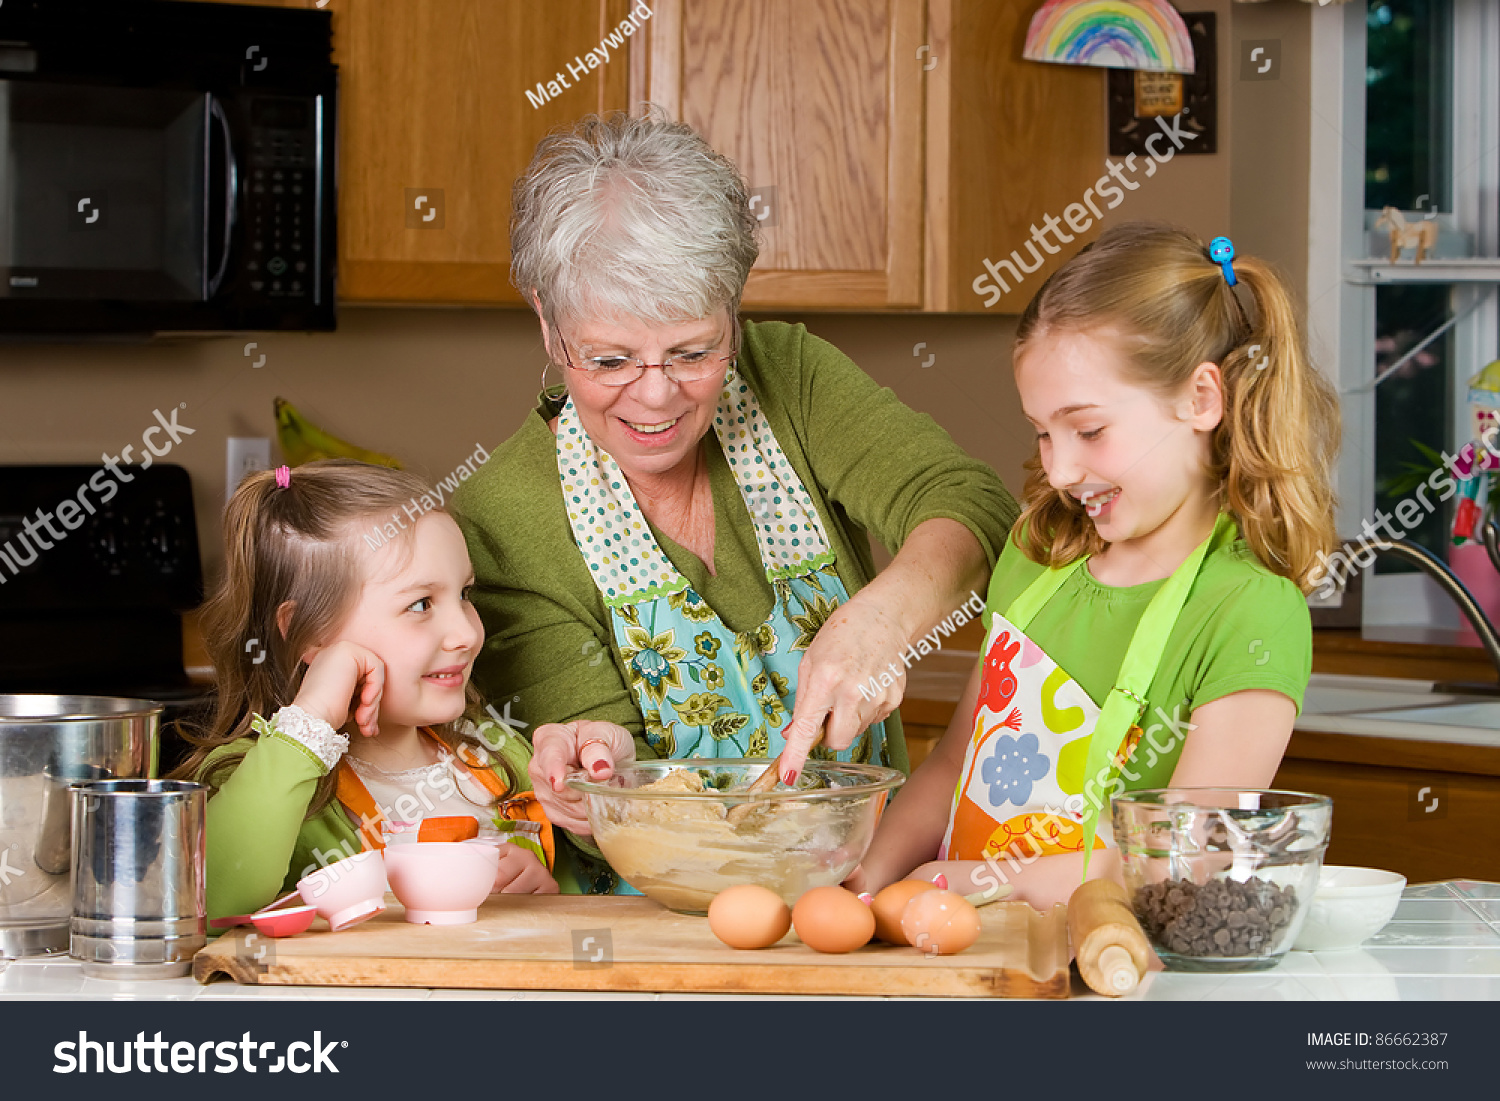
(428,385)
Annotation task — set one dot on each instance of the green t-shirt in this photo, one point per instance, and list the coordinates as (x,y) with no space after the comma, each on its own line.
(1241,627)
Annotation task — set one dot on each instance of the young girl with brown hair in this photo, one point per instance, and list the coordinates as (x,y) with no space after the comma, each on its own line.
(1174,512)
(342,639)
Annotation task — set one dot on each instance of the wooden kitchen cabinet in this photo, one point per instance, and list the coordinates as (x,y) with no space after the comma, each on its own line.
(433,100)
(891,145)
(432,103)
(819,104)
(1424,809)
(905,141)
(1008,143)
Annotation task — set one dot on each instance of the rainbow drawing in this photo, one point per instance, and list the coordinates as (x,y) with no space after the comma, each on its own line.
(1116,34)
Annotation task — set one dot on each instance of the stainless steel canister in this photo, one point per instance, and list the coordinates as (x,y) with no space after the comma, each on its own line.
(139,910)
(46,743)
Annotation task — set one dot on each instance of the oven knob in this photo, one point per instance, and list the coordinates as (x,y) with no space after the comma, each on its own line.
(161,540)
(110,538)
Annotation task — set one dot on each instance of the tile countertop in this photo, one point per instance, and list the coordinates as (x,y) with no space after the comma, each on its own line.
(1443,943)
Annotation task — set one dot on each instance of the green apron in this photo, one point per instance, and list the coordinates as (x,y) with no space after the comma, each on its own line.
(1043,755)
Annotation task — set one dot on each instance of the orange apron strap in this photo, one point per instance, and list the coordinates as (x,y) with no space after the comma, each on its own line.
(526,807)
(357,798)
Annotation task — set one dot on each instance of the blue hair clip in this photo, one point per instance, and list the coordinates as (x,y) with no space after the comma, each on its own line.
(1221,251)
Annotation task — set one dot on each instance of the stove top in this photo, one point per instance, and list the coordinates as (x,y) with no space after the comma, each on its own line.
(97,565)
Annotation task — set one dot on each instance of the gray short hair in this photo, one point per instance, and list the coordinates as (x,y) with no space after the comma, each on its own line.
(631,218)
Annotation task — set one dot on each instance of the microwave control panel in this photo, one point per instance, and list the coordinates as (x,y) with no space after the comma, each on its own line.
(281,195)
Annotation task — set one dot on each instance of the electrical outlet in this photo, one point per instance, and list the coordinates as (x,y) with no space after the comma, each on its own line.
(244,455)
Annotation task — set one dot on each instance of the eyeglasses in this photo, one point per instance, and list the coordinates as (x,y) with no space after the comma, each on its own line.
(616,370)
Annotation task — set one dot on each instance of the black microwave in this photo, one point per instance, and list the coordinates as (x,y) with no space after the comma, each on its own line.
(166,167)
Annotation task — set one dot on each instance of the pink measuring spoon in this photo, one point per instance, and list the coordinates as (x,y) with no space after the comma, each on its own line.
(271,921)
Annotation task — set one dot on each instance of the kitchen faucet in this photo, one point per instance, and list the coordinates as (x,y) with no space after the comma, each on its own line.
(1435,568)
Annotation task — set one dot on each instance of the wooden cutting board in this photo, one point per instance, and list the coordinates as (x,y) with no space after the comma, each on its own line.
(539,942)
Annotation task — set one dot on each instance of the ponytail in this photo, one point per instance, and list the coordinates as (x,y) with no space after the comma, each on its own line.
(1279,438)
(1170,308)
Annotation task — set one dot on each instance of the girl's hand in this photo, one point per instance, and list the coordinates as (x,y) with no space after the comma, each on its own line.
(339,678)
(854,646)
(521,873)
(561,748)
(857,881)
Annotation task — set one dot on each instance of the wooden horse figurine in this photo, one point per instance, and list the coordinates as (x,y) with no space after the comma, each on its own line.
(1423,235)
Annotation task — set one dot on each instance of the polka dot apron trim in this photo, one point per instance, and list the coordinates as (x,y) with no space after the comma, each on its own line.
(624,558)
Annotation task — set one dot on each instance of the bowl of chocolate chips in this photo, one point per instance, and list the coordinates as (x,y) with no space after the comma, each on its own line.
(1221,878)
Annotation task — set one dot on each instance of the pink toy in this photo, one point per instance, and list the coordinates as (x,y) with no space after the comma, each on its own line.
(347,892)
(442,882)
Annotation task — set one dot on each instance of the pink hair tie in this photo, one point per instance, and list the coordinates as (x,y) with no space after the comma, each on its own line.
(284,476)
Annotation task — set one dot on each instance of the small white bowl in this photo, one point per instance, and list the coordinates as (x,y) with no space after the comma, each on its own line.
(1350,906)
(442,882)
(347,891)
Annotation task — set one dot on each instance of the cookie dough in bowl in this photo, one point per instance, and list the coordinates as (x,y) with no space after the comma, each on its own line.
(663,826)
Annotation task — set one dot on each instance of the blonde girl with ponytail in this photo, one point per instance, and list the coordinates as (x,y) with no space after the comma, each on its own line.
(342,639)
(1146,624)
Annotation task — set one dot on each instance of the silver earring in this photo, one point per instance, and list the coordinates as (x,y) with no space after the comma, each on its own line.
(544,374)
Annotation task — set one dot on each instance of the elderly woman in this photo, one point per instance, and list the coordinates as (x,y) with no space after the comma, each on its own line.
(672,553)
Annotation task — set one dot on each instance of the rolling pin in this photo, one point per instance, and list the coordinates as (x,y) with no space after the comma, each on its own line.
(1108,942)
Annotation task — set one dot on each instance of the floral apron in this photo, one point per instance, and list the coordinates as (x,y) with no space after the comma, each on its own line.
(703,689)
(1041,761)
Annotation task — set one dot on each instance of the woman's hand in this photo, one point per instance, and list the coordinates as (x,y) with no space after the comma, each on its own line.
(521,873)
(855,645)
(561,748)
(339,677)
(866,637)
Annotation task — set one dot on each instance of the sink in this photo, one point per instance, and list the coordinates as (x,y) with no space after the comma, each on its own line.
(1388,707)
(1332,694)
(1479,714)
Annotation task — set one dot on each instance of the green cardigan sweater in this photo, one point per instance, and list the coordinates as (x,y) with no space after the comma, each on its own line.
(871,464)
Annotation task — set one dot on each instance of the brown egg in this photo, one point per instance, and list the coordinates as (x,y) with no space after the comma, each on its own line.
(890,904)
(748,916)
(940,923)
(831,919)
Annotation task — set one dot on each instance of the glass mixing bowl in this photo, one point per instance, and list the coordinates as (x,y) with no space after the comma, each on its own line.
(1221,878)
(679,848)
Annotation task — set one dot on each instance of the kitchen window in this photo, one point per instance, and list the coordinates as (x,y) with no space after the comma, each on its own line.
(1405,114)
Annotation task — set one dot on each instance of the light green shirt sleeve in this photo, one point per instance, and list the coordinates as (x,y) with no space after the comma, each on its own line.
(254,820)
(1262,639)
